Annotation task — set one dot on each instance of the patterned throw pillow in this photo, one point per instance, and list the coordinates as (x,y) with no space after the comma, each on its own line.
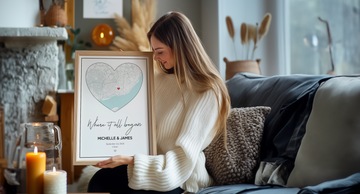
(244,133)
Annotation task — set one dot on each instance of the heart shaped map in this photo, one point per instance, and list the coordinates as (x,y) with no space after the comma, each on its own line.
(114,88)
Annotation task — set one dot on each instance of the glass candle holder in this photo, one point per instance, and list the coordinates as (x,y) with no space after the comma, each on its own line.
(47,138)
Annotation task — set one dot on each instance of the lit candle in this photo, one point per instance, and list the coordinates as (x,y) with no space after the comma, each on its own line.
(35,168)
(55,181)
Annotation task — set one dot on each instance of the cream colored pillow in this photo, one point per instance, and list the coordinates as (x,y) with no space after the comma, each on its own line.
(330,148)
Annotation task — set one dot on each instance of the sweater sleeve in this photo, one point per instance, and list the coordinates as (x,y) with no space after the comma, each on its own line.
(169,171)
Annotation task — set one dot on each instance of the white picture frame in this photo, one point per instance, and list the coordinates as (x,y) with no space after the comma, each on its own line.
(102,9)
(114,105)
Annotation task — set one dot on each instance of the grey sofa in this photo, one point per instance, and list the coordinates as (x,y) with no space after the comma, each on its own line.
(311,138)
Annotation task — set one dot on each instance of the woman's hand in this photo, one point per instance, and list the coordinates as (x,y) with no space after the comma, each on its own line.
(115,161)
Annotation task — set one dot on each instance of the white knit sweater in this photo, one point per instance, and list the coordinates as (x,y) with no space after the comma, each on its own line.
(182,134)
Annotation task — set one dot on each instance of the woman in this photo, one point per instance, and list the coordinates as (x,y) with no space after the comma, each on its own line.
(191,106)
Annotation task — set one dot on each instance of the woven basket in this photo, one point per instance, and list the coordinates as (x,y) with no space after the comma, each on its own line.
(55,15)
(234,67)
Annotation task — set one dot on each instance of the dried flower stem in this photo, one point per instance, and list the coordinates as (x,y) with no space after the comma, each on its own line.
(244,36)
(255,41)
(330,42)
(230,27)
(265,25)
(249,32)
(133,37)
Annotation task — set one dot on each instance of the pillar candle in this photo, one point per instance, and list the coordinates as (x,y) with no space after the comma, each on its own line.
(35,168)
(55,181)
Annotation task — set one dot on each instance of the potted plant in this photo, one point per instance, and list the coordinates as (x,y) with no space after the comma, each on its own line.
(69,69)
(76,45)
(248,33)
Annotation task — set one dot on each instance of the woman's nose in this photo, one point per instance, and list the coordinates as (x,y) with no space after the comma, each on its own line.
(156,57)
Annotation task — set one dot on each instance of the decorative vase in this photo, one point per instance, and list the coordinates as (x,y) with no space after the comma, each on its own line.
(55,15)
(234,67)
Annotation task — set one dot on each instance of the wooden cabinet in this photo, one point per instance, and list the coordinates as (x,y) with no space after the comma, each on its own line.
(67,127)
(3,165)
(67,133)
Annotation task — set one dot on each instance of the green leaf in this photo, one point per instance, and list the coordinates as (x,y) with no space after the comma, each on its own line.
(72,30)
(88,44)
(77,31)
(68,40)
(76,45)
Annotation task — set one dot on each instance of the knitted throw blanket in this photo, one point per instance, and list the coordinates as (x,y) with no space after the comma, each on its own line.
(244,133)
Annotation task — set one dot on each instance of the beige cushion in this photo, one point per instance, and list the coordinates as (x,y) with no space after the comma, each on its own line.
(330,148)
(244,133)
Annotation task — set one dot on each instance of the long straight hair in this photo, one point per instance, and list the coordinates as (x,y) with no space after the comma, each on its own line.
(192,64)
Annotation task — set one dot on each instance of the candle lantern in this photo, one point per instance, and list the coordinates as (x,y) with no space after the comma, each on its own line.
(47,138)
(102,35)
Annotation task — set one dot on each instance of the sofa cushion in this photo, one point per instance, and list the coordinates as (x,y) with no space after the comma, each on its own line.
(244,133)
(330,148)
(348,185)
(290,98)
(248,189)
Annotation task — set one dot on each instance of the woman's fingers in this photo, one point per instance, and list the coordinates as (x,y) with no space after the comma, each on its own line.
(107,161)
(115,161)
(110,165)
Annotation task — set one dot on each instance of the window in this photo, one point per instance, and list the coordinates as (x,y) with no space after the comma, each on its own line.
(310,52)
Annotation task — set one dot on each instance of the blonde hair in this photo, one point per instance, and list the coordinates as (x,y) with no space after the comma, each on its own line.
(192,65)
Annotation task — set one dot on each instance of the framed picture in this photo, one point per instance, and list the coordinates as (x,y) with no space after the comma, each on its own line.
(114,105)
(96,9)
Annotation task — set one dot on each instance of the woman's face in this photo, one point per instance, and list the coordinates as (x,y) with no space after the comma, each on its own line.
(162,53)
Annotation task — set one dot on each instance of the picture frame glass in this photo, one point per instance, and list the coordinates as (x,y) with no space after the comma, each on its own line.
(113,105)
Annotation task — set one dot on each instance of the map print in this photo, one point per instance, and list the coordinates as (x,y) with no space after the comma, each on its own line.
(114,88)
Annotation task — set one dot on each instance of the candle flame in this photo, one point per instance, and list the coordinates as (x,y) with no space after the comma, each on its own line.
(36,124)
(35,150)
(37,136)
(54,169)
(102,35)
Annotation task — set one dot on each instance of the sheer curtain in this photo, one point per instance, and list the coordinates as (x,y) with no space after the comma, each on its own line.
(309,40)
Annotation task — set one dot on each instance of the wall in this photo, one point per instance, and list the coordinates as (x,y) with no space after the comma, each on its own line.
(210,30)
(87,25)
(189,7)
(208,19)
(19,13)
